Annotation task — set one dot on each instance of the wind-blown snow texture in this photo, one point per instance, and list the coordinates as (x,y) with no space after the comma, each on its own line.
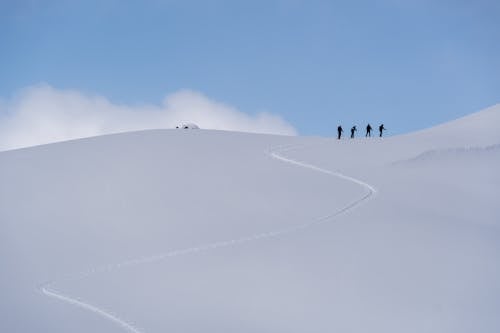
(208,231)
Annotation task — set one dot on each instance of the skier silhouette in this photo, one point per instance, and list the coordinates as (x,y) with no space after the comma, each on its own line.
(381,128)
(353,129)
(368,131)
(339,131)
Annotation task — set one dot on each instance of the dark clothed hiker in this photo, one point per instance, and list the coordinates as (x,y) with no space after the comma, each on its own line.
(381,128)
(353,129)
(339,131)
(368,130)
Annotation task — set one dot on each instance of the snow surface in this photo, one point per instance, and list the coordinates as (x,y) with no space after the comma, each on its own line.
(210,231)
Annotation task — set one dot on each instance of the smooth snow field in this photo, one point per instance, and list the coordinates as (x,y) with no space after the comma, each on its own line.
(210,231)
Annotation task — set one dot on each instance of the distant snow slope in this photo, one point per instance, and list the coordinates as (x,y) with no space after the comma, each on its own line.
(208,231)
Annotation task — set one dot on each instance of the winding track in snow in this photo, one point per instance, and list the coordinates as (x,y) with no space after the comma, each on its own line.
(47,289)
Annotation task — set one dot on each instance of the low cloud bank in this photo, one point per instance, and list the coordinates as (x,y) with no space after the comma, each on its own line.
(43,114)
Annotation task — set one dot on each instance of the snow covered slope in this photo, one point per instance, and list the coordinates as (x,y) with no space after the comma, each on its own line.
(207,231)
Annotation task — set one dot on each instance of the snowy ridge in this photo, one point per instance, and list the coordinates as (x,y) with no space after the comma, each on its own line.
(451,153)
(248,224)
(48,289)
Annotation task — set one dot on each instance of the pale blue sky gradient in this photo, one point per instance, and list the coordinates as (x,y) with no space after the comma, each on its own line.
(409,64)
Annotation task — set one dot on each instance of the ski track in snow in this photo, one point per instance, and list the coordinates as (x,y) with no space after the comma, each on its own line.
(48,290)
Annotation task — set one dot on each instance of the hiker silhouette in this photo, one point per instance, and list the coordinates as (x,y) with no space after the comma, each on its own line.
(381,128)
(368,130)
(339,131)
(353,129)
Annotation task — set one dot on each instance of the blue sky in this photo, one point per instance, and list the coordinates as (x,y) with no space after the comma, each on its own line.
(409,64)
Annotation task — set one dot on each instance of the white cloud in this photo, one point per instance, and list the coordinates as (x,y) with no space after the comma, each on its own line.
(43,114)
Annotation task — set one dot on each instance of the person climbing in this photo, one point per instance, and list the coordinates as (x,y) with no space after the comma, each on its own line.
(368,131)
(381,128)
(353,129)
(339,131)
